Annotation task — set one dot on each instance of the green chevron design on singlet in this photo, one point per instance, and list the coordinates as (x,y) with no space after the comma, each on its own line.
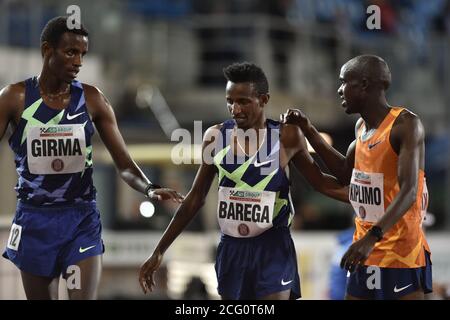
(88,153)
(237,175)
(31,121)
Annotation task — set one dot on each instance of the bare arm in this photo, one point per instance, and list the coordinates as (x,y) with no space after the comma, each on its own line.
(195,199)
(12,99)
(295,144)
(106,124)
(408,133)
(340,166)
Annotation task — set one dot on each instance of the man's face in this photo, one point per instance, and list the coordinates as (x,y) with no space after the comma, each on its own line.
(350,91)
(246,106)
(66,59)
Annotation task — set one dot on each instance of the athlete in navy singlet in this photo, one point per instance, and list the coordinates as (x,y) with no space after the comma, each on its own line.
(256,257)
(57,228)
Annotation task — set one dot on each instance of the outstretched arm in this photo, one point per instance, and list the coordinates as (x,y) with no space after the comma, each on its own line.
(408,134)
(185,213)
(295,145)
(340,166)
(106,124)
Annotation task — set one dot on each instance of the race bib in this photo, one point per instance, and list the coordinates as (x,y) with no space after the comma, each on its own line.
(366,195)
(14,237)
(244,213)
(59,149)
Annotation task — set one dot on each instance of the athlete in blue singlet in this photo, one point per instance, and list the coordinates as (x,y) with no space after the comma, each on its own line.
(52,116)
(256,257)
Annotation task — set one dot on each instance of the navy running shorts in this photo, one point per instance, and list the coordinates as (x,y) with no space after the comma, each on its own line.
(251,268)
(45,241)
(392,283)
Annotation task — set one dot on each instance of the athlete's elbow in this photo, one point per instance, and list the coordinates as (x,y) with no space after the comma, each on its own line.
(410,196)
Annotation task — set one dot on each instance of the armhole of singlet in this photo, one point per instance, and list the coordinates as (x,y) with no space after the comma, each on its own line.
(27,83)
(390,130)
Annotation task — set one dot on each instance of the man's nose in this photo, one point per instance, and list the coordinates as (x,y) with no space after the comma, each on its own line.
(235,109)
(78,60)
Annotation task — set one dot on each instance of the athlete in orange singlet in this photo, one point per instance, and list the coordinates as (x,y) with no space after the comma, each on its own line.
(384,168)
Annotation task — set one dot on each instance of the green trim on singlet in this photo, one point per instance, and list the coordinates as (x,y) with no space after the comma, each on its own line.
(31,121)
(236,177)
(279,204)
(218,158)
(88,153)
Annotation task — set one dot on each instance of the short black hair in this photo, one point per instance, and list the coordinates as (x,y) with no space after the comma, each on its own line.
(239,72)
(56,27)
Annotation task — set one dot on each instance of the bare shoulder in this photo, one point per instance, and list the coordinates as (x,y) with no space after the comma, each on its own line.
(12,97)
(13,91)
(212,133)
(408,123)
(96,101)
(408,118)
(407,127)
(92,92)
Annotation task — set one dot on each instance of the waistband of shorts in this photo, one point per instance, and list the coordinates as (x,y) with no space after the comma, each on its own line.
(57,207)
(266,234)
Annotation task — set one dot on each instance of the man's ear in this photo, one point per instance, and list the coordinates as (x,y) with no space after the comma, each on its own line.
(365,83)
(46,49)
(264,98)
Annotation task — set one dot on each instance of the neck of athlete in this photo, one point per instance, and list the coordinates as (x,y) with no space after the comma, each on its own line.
(374,111)
(50,84)
(245,141)
(259,124)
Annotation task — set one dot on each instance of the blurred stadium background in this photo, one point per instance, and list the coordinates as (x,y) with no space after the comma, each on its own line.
(159,62)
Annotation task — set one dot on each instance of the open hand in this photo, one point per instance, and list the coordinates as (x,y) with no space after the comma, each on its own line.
(165,194)
(146,274)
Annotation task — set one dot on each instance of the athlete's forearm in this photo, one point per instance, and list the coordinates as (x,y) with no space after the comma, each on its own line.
(135,178)
(332,188)
(333,159)
(398,207)
(183,216)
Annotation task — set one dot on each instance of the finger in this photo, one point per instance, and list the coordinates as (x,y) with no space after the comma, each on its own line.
(142,283)
(153,283)
(349,263)
(176,197)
